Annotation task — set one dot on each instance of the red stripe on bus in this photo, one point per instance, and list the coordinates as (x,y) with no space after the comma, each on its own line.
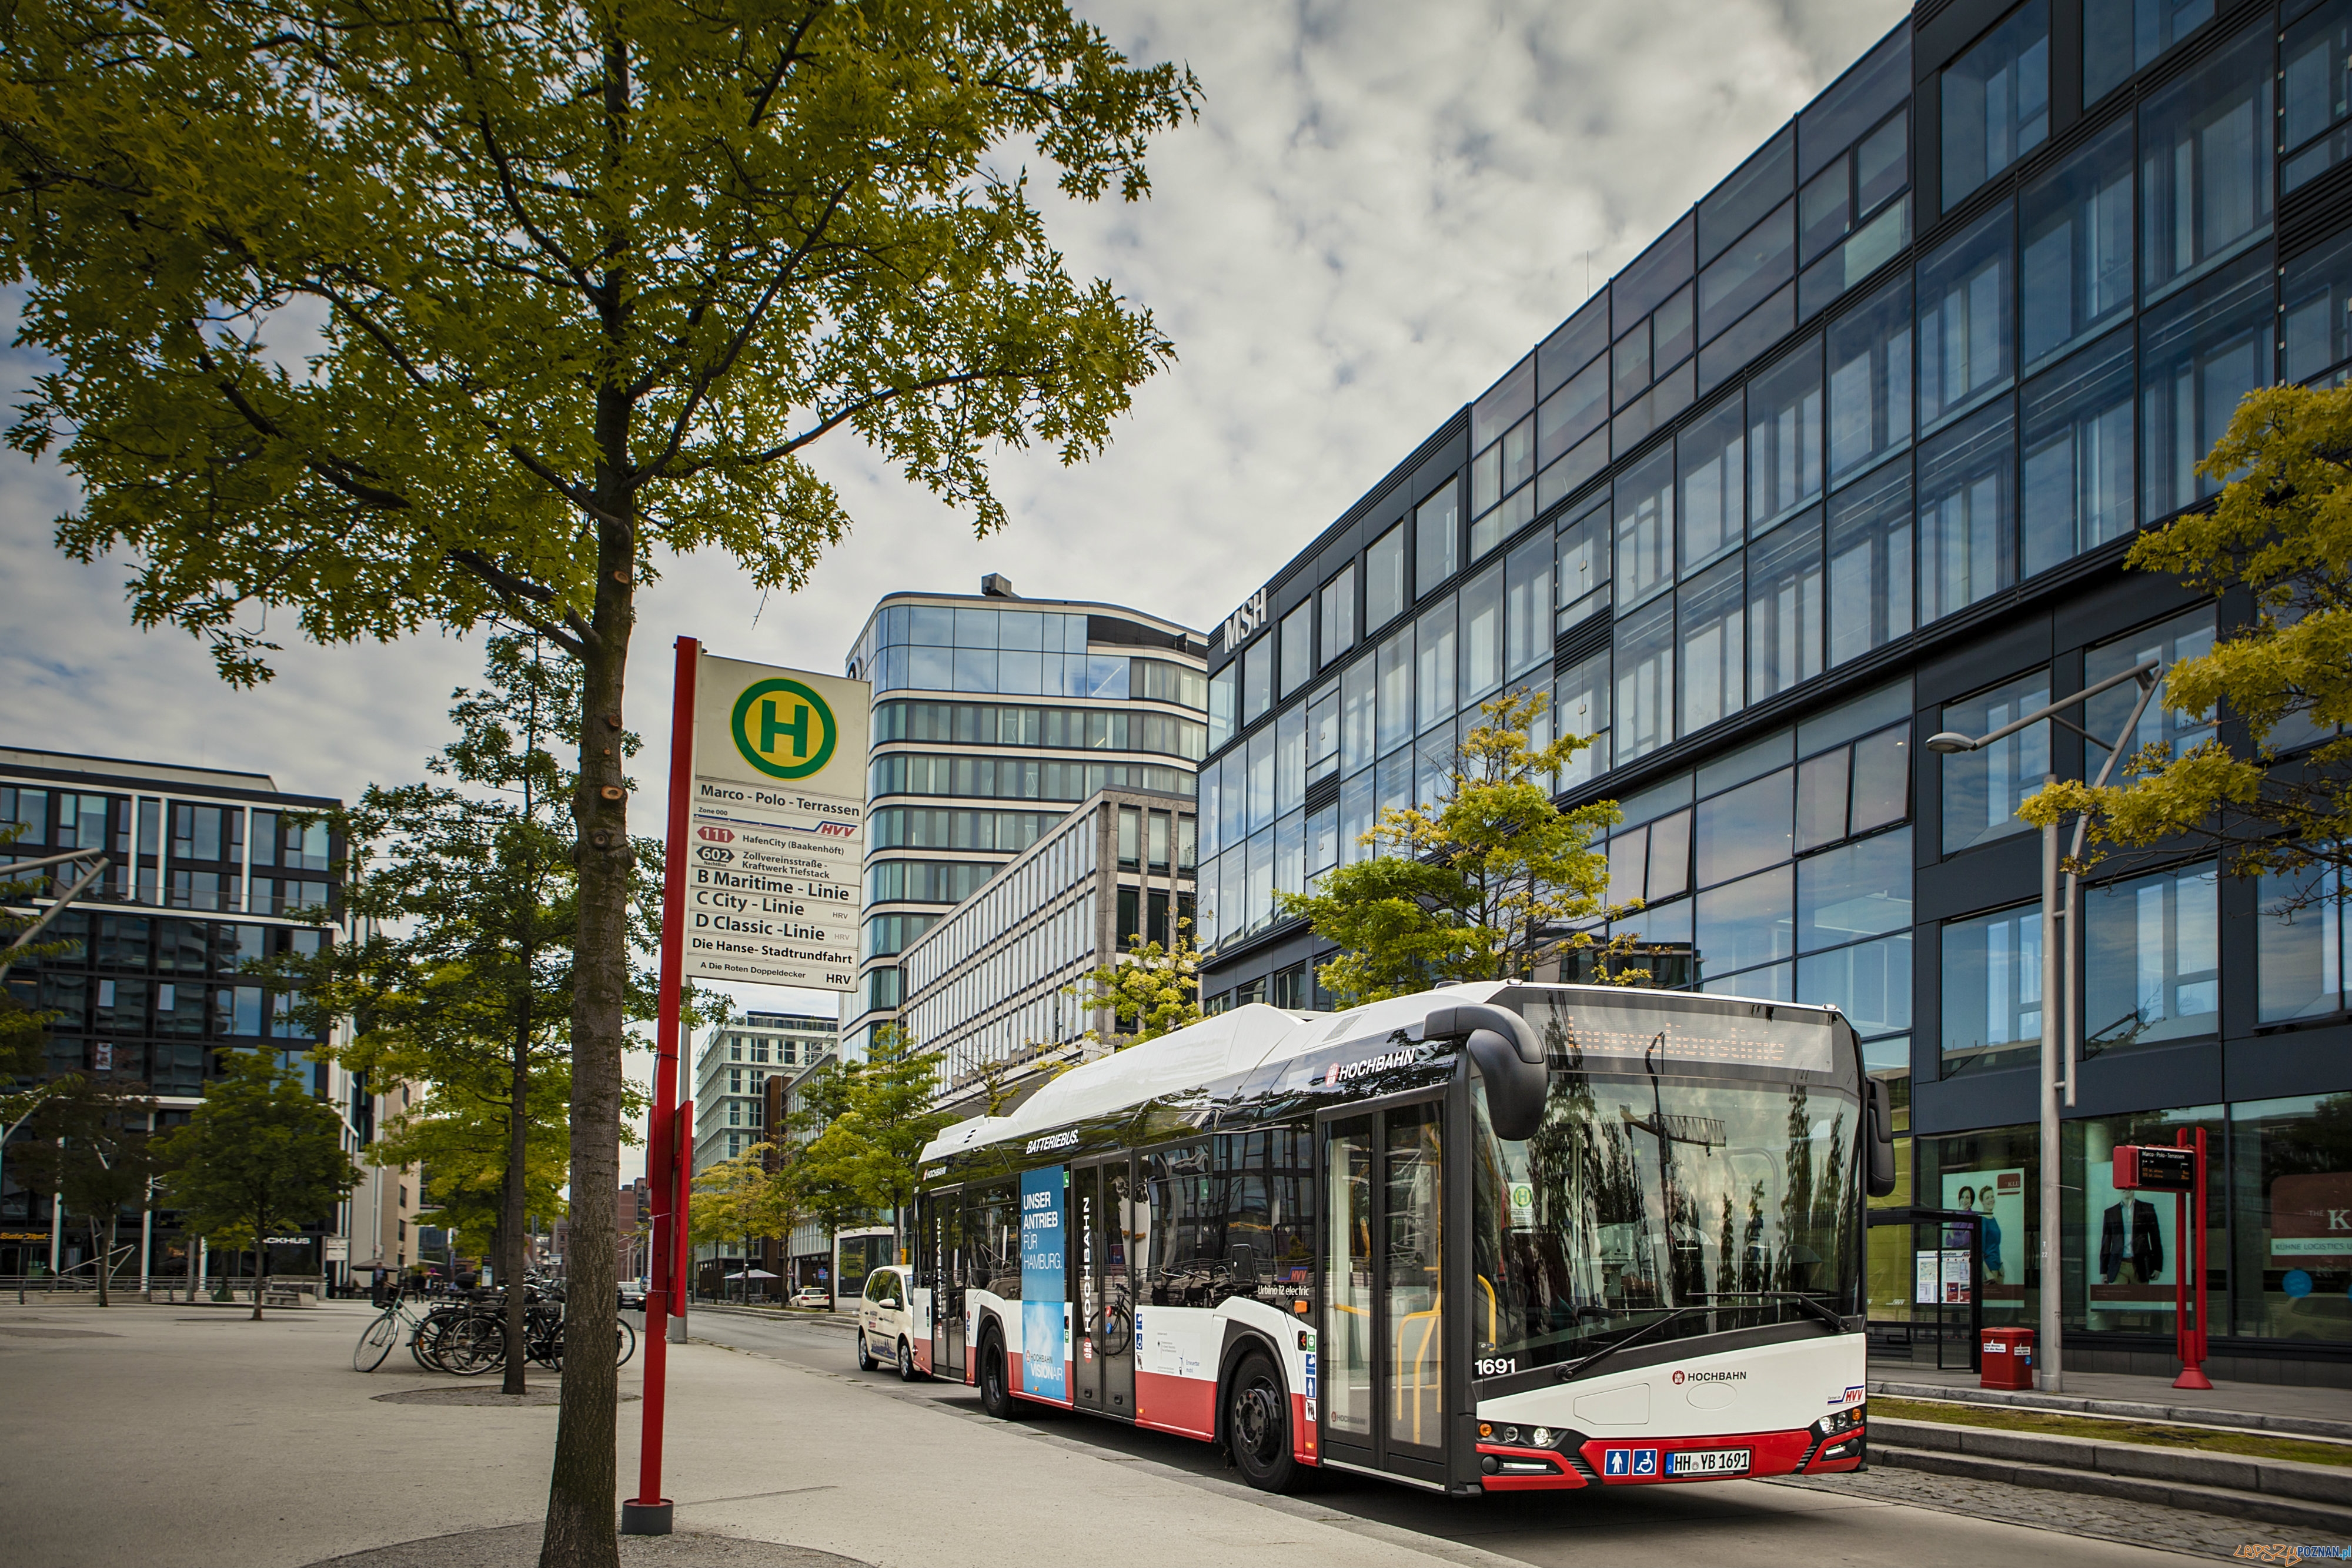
(1302,1431)
(1185,1405)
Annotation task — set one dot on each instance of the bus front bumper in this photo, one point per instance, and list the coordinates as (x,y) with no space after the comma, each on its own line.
(1576,1462)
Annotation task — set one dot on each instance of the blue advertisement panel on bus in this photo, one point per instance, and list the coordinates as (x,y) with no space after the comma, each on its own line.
(1045,1326)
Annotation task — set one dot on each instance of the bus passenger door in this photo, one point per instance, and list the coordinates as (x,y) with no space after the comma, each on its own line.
(947,1284)
(1381,1345)
(1115,1247)
(1086,1223)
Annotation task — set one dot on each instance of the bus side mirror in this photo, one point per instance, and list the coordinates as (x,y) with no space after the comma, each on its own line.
(1509,1056)
(1879,1101)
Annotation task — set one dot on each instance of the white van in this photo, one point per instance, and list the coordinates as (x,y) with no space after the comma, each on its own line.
(886,1322)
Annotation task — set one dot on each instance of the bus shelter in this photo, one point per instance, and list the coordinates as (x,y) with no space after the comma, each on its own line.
(1948,1285)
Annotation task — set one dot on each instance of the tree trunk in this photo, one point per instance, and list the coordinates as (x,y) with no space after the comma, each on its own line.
(581,1508)
(510,1262)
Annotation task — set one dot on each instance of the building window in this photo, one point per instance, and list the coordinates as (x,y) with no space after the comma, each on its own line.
(1996,101)
(1436,539)
(1784,437)
(1580,706)
(1482,636)
(2290,1163)
(1870,380)
(2312,95)
(1870,573)
(1785,607)
(2200,353)
(1297,632)
(2205,163)
(1967,333)
(1221,704)
(1527,607)
(2079,470)
(2299,945)
(1645,709)
(2077,274)
(2151,959)
(1993,989)
(2316,304)
(735,1048)
(2120,37)
(1580,568)
(1646,529)
(2189,635)
(1257,680)
(1967,512)
(1713,610)
(1713,462)
(1384,595)
(1338,599)
(1289,758)
(1983,789)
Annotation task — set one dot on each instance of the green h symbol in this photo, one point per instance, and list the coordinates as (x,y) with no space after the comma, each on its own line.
(771,726)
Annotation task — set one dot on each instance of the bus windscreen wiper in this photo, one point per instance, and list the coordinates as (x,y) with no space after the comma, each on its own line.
(1577,1369)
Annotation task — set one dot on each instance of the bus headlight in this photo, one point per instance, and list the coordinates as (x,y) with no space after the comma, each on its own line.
(1838,1421)
(1543,1436)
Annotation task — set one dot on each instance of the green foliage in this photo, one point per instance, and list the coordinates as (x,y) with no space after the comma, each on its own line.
(465,892)
(87,1141)
(1476,887)
(24,1024)
(741,1199)
(2282,533)
(1152,990)
(576,271)
(880,1117)
(260,1156)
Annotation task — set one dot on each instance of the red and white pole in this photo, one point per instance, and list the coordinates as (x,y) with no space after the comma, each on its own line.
(649,1512)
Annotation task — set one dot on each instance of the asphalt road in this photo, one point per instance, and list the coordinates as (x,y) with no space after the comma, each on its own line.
(1920,1521)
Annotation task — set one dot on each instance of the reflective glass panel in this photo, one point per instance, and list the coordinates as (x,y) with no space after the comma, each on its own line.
(1996,101)
(2076,276)
(2151,957)
(2205,163)
(1713,610)
(1870,380)
(2080,472)
(1966,330)
(1646,528)
(1870,563)
(1983,789)
(1712,457)
(1967,512)
(1643,713)
(1785,608)
(1784,437)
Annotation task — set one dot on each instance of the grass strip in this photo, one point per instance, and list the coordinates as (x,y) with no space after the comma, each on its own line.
(2108,1429)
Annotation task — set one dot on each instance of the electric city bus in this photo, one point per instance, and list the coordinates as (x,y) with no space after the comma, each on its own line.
(1493,1237)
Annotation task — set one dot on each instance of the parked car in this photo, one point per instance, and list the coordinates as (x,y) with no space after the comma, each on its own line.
(815,1296)
(886,1322)
(633,1298)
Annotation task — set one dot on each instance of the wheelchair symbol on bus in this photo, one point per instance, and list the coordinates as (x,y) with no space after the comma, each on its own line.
(1629,1461)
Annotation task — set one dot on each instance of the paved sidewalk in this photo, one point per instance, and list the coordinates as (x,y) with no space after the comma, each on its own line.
(142,1436)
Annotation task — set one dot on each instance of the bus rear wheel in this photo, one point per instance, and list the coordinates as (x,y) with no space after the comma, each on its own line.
(995,1393)
(1258,1425)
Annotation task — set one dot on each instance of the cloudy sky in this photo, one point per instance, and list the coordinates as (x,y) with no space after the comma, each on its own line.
(1381,208)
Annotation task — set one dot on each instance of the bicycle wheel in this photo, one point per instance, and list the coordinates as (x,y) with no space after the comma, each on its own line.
(375,1343)
(430,1334)
(626,1339)
(475,1345)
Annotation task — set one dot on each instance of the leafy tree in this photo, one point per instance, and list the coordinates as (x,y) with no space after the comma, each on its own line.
(396,315)
(1152,990)
(260,1155)
(824,1168)
(742,1197)
(89,1142)
(871,1146)
(466,889)
(2282,533)
(1480,885)
(24,1024)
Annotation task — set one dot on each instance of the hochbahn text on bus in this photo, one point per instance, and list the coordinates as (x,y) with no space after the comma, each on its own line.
(1488,1238)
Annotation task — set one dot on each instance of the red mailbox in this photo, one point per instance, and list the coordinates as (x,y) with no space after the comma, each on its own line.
(2008,1359)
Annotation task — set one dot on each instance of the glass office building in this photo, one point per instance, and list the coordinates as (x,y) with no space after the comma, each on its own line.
(993,717)
(1849,456)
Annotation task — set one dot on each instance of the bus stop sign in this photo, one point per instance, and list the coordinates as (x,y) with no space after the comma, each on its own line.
(2152,1167)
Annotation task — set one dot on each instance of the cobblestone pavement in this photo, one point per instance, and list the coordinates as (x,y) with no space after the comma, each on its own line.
(2099,1518)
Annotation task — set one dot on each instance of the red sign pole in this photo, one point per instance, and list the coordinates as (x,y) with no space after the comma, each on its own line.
(2189,1232)
(649,1512)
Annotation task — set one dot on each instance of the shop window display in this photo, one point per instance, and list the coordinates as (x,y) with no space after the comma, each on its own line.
(2291,1225)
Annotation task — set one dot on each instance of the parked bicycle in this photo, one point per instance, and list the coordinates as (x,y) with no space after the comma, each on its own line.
(468,1337)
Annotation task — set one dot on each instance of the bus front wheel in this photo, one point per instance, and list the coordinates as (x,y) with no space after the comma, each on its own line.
(995,1393)
(1258,1425)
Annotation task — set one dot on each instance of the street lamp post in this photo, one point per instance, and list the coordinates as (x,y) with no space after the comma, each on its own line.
(2058,1023)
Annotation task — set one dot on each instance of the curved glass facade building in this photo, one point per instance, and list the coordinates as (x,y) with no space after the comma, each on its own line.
(993,718)
(1849,456)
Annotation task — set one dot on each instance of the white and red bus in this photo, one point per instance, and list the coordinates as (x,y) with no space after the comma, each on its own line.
(1493,1237)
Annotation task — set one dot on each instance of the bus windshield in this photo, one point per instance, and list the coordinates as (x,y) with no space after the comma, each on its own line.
(1640,1194)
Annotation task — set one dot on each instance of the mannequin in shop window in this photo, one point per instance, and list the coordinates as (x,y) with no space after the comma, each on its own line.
(2131,1245)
